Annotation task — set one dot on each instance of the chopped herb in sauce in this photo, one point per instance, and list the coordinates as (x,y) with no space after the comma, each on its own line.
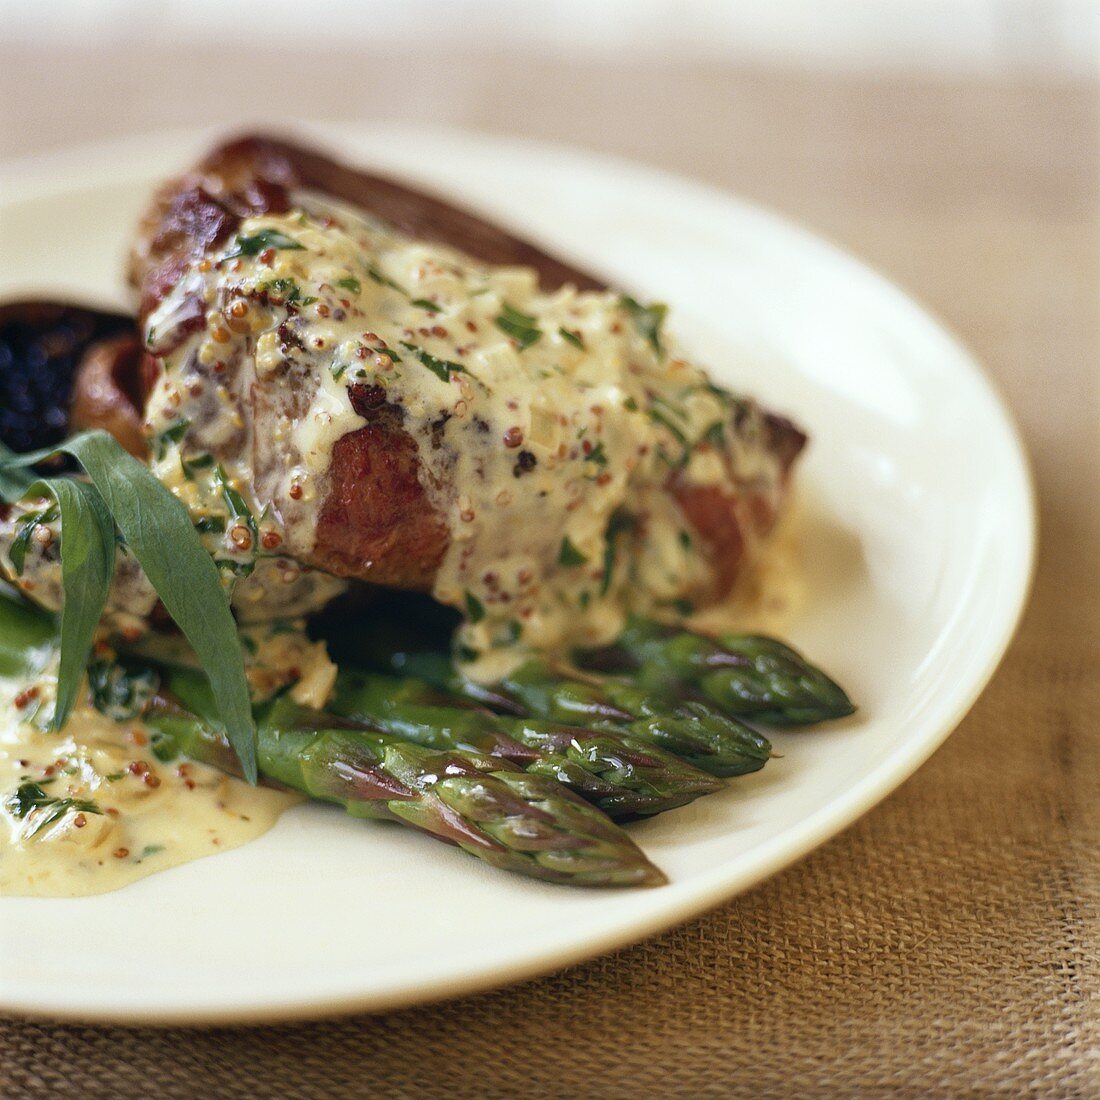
(193,466)
(573,338)
(120,693)
(475,609)
(30,797)
(619,523)
(569,555)
(264,239)
(173,434)
(521,327)
(238,569)
(384,280)
(441,368)
(425,303)
(286,289)
(350,283)
(647,319)
(664,413)
(597,456)
(238,509)
(210,525)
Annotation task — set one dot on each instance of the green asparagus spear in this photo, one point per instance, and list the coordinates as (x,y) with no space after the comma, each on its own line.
(519,822)
(618,773)
(742,674)
(694,731)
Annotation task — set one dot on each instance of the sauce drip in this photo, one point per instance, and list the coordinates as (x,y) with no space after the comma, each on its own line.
(91,809)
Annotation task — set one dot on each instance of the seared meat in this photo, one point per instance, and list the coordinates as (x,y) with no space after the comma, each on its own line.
(379,516)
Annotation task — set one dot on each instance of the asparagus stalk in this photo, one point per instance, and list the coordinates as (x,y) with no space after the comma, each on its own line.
(742,674)
(694,731)
(616,772)
(525,823)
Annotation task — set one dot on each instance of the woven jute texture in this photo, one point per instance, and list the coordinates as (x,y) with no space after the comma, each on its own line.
(946,945)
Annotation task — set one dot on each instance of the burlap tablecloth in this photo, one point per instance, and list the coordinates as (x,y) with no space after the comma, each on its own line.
(947,944)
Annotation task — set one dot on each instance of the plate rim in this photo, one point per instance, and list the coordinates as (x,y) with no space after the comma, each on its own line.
(52,172)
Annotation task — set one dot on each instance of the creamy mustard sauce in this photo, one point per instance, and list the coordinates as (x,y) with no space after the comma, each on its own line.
(92,809)
(769,592)
(548,426)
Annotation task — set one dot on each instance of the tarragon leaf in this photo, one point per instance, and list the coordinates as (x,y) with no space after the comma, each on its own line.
(87,567)
(158,531)
(28,635)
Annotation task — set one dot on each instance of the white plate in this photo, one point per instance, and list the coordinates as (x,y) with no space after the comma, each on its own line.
(919,543)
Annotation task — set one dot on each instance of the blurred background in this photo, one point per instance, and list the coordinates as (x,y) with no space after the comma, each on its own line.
(611,73)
